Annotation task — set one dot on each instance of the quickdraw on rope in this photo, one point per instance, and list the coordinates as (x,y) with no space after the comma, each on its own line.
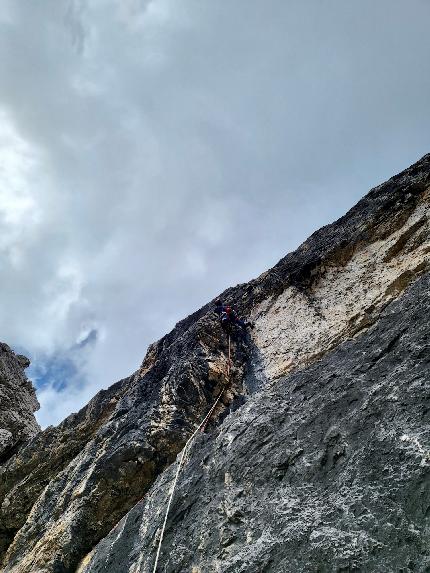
(200,427)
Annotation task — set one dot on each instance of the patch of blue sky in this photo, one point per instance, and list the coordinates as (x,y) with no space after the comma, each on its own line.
(61,368)
(55,371)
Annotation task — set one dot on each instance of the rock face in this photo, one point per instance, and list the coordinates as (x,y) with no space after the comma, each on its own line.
(327,470)
(316,458)
(17,403)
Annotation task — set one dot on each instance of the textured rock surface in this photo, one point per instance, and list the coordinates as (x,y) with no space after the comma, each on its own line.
(65,490)
(328,470)
(347,292)
(17,403)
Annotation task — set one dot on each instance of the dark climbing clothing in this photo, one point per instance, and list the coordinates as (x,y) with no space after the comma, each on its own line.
(228,316)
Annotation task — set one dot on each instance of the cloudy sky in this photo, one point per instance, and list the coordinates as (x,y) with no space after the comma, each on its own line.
(154,152)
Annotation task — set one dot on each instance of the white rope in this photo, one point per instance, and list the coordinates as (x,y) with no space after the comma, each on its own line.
(182,458)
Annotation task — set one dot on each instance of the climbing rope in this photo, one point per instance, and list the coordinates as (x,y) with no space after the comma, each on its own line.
(200,427)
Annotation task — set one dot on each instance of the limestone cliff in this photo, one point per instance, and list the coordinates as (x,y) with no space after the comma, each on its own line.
(327,470)
(317,458)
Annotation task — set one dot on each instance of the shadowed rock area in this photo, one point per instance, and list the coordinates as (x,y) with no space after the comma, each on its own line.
(18,403)
(311,388)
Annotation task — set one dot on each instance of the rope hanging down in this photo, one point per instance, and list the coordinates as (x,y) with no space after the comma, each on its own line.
(200,427)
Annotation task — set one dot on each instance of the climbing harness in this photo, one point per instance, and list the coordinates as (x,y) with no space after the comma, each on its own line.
(201,427)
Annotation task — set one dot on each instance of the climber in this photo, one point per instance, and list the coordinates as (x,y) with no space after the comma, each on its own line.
(228,317)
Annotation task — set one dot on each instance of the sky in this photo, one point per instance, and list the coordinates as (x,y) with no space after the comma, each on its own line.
(155,152)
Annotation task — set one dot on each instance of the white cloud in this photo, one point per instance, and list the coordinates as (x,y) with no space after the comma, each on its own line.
(18,167)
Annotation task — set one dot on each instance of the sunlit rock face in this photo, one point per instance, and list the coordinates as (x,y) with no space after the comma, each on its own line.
(316,458)
(345,293)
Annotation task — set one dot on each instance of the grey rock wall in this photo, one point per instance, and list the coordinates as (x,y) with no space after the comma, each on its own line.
(17,402)
(327,470)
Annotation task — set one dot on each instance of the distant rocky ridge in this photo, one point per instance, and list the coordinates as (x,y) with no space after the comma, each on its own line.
(328,424)
(18,403)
